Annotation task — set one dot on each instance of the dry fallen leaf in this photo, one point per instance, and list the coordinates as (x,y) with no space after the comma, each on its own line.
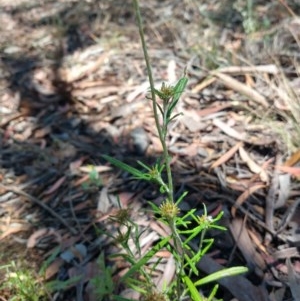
(192,121)
(55,186)
(294,171)
(244,196)
(168,274)
(293,159)
(105,201)
(226,156)
(36,236)
(229,131)
(213,109)
(294,280)
(202,85)
(253,166)
(53,268)
(244,243)
(14,228)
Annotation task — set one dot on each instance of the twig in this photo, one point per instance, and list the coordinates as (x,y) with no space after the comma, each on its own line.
(41,204)
(237,70)
(287,217)
(241,88)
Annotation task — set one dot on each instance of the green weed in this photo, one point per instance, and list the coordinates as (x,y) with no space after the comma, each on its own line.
(23,284)
(183,228)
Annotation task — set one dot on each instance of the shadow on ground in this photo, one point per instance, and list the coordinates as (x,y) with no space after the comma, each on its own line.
(44,136)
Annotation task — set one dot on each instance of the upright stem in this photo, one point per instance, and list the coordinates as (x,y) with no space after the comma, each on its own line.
(154,104)
(162,130)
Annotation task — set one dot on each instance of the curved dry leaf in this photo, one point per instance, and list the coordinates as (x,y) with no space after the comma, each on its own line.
(32,240)
(99,169)
(294,171)
(105,201)
(203,84)
(286,253)
(35,237)
(244,243)
(55,186)
(257,241)
(293,159)
(169,272)
(238,184)
(226,156)
(229,131)
(213,109)
(244,196)
(74,165)
(14,228)
(53,268)
(253,166)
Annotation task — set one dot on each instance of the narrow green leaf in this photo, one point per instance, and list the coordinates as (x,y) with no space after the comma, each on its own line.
(183,195)
(219,216)
(197,256)
(136,267)
(209,242)
(221,274)
(188,214)
(160,109)
(213,293)
(178,90)
(192,264)
(135,172)
(154,207)
(144,165)
(137,286)
(160,167)
(192,288)
(218,227)
(57,285)
(119,298)
(176,115)
(125,256)
(182,222)
(159,94)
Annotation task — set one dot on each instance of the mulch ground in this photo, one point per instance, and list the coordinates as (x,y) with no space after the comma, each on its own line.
(73,86)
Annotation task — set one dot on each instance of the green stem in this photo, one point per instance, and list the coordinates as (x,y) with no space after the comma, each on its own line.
(154,104)
(178,246)
(162,132)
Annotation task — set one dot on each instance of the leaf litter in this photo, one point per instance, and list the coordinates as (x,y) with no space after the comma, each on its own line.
(71,94)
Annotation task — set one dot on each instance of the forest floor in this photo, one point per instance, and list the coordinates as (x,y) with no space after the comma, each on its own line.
(73,86)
